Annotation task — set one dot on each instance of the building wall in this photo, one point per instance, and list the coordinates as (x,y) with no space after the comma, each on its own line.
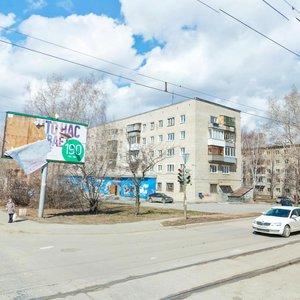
(191,135)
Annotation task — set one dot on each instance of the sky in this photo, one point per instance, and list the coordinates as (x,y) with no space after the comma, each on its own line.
(238,53)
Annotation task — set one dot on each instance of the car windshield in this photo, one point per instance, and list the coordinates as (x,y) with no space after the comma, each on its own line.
(278,212)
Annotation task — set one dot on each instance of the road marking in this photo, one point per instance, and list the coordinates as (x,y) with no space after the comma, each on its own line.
(47,247)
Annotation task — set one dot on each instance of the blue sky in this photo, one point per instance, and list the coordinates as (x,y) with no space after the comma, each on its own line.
(25,8)
(202,51)
(112,8)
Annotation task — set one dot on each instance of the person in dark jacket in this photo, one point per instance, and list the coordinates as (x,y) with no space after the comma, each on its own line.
(11,209)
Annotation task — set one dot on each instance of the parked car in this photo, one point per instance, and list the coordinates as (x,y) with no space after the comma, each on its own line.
(279,198)
(160,197)
(279,220)
(286,202)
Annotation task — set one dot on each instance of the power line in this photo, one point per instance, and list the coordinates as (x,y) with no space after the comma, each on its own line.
(112,74)
(255,30)
(292,6)
(276,10)
(124,67)
(215,10)
(265,36)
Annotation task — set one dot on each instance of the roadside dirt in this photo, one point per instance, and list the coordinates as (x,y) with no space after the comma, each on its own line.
(112,213)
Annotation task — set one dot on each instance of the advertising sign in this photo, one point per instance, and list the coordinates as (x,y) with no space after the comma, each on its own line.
(66,140)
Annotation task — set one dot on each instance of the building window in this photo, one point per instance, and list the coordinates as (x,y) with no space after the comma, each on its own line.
(277,161)
(159,186)
(182,150)
(182,135)
(277,152)
(170,168)
(151,153)
(214,120)
(225,169)
(277,190)
(171,121)
(181,166)
(152,126)
(159,168)
(213,188)
(213,169)
(287,190)
(160,153)
(170,152)
(160,123)
(160,138)
(144,141)
(182,119)
(230,151)
(144,127)
(216,134)
(277,171)
(286,161)
(269,180)
(269,190)
(170,187)
(152,139)
(170,136)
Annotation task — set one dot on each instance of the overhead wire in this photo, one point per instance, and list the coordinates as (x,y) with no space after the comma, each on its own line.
(292,6)
(276,10)
(260,33)
(253,29)
(141,84)
(125,78)
(125,67)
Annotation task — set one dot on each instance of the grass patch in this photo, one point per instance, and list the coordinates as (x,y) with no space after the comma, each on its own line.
(113,213)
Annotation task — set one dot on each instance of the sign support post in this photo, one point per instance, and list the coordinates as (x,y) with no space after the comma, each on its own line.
(43,191)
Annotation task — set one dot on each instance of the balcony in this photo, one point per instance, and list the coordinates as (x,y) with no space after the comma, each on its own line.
(134,127)
(215,158)
(216,142)
(134,147)
(229,159)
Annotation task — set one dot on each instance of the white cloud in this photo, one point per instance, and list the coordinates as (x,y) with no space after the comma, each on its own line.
(36,4)
(203,50)
(7,20)
(65,4)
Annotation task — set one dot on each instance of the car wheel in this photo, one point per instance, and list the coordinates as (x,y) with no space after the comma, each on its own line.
(286,231)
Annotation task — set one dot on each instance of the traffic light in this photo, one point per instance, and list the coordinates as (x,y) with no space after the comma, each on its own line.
(187,176)
(180,176)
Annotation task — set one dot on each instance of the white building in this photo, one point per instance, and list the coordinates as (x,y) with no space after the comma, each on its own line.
(208,132)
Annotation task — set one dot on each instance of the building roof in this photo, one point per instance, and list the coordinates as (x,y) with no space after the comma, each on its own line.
(179,102)
(241,191)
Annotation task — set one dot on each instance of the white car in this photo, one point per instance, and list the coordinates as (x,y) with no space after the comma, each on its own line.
(280,220)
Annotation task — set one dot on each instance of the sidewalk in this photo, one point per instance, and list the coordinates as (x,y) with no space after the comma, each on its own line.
(24,225)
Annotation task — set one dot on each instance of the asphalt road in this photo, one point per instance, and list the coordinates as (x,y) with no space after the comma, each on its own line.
(223,260)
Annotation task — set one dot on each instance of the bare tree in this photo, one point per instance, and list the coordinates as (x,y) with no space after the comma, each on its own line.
(253,160)
(83,101)
(285,131)
(80,101)
(140,161)
(87,179)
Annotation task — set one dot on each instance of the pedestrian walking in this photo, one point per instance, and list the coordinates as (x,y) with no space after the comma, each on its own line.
(11,209)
